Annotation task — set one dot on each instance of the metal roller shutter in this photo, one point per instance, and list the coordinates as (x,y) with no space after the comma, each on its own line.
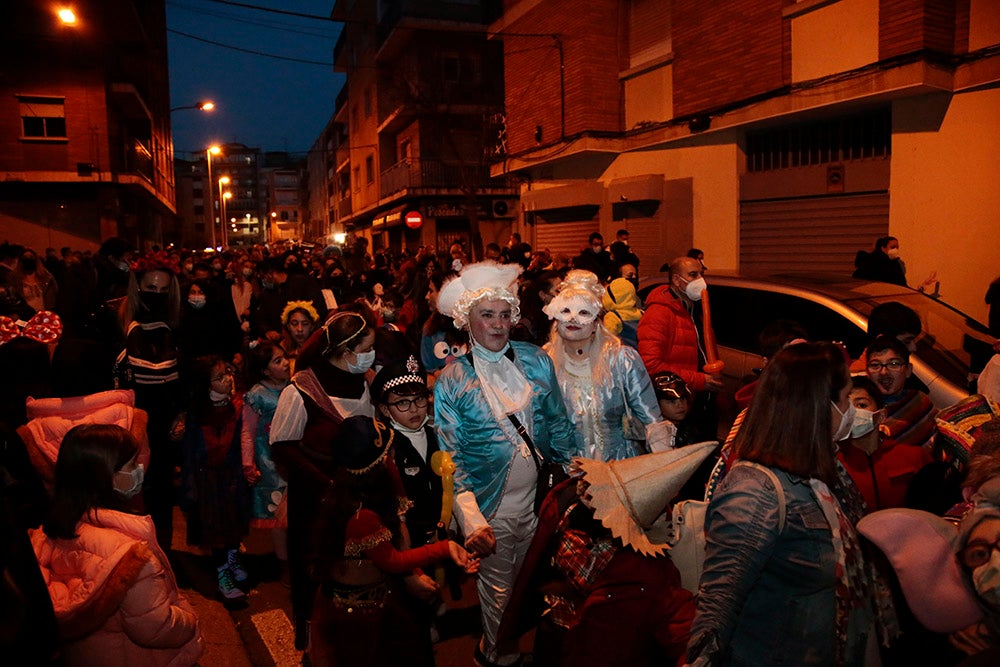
(811,234)
(567,237)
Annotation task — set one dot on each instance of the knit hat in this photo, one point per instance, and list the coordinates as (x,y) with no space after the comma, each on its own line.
(479,282)
(629,495)
(362,443)
(404,376)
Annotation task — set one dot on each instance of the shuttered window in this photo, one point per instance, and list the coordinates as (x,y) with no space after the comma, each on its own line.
(810,234)
(567,237)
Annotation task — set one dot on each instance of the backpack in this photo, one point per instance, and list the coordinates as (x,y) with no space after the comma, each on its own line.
(687,533)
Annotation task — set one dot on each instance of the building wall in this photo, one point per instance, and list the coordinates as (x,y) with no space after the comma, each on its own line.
(818,51)
(945,197)
(727,51)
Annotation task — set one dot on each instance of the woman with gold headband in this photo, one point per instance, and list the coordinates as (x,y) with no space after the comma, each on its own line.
(329,386)
(298,321)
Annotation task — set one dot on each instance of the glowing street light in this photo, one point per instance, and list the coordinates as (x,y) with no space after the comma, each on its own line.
(223,198)
(67,16)
(204,105)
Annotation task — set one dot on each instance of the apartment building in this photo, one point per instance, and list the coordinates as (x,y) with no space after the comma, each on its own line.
(775,135)
(414,119)
(85,144)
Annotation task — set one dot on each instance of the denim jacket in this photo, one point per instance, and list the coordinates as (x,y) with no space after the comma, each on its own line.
(767,597)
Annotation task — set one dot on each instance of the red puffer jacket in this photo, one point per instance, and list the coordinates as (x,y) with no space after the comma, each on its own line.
(115,596)
(668,338)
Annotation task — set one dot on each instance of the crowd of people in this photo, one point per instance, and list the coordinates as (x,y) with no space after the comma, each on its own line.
(400,421)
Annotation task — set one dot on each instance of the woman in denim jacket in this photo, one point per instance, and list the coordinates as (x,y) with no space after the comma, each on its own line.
(783,580)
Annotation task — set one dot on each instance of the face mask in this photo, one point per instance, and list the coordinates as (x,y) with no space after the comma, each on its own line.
(197,301)
(129,483)
(267,284)
(694,288)
(123,266)
(155,302)
(864,422)
(893,253)
(986,579)
(363,363)
(846,422)
(247,272)
(217,397)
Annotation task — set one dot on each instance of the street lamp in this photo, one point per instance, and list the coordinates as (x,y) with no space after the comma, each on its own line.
(223,197)
(67,16)
(204,105)
(209,152)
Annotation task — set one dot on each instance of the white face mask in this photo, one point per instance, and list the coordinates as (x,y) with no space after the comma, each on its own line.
(694,288)
(363,363)
(986,579)
(893,253)
(129,483)
(197,301)
(864,422)
(846,422)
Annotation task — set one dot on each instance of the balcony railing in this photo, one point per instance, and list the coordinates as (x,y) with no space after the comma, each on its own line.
(344,208)
(433,174)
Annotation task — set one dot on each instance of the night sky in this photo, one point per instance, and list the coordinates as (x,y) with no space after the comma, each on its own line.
(261,102)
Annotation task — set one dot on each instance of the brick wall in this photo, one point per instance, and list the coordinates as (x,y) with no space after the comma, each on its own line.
(589,31)
(906,26)
(727,50)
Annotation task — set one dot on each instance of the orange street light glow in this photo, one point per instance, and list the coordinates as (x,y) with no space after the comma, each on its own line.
(67,16)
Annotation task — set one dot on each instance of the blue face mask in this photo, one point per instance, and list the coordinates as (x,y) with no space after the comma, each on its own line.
(489,355)
(363,363)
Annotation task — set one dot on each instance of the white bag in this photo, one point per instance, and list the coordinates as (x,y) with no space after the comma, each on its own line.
(687,531)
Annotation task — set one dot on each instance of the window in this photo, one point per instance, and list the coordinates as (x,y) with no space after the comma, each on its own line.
(284,216)
(199,209)
(369,169)
(357,178)
(43,117)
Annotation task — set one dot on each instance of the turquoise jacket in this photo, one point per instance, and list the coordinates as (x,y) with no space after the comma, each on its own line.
(469,432)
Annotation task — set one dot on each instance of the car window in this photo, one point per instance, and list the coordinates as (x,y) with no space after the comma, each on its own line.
(951,342)
(739,314)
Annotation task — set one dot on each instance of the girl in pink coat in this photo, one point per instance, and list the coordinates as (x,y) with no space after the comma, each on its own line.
(115,597)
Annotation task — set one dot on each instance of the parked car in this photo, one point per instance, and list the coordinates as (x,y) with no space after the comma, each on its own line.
(952,348)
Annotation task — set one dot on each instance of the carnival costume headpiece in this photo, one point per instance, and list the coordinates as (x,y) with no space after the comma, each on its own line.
(629,495)
(362,443)
(331,345)
(579,296)
(306,306)
(157,261)
(402,376)
(44,327)
(483,281)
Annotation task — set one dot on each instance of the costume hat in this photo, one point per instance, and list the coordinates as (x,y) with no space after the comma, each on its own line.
(404,376)
(362,443)
(630,494)
(476,282)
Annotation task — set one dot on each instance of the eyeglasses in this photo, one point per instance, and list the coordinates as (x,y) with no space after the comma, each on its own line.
(406,404)
(977,553)
(892,365)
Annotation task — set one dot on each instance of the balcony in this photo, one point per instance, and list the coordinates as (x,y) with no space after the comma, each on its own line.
(344,208)
(432,174)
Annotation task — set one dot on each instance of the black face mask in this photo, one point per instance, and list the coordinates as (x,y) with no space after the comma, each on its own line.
(155,304)
(29,265)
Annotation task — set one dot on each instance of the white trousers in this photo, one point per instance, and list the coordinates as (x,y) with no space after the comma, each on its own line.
(498,572)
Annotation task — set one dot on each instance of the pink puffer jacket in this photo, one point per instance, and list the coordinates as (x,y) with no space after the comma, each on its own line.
(115,596)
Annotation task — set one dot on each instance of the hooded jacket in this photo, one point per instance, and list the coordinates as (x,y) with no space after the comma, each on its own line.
(115,597)
(668,338)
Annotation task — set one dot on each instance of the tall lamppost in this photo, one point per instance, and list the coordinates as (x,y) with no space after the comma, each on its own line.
(209,152)
(223,197)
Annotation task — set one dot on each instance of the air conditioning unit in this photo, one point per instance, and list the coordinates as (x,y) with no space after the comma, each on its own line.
(502,208)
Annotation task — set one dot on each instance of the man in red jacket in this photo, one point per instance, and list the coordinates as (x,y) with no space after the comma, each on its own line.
(669,334)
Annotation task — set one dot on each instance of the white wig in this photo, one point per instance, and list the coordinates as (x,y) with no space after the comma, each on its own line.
(483,281)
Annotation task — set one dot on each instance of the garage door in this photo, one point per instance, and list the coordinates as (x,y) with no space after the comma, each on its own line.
(811,234)
(567,237)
